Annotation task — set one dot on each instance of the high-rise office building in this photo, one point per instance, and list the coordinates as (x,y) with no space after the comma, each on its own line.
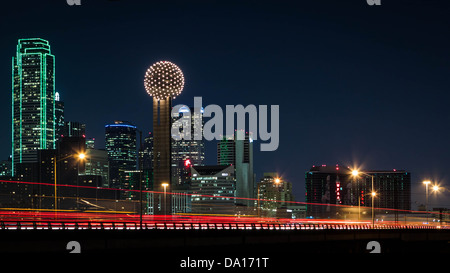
(210,185)
(74,129)
(132,181)
(6,168)
(90,143)
(96,163)
(393,189)
(226,151)
(327,187)
(121,147)
(186,152)
(237,150)
(33,100)
(274,192)
(146,153)
(331,186)
(59,117)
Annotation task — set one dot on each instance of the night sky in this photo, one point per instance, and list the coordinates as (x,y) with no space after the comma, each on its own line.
(357,85)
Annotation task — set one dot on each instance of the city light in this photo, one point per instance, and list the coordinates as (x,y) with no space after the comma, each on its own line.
(187,163)
(163,80)
(198,182)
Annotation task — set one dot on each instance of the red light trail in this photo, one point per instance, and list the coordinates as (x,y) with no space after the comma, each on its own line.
(76,216)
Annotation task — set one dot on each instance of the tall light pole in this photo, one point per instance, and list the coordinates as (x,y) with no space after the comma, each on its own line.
(79,156)
(140,157)
(258,207)
(435,188)
(426,196)
(165,205)
(54,172)
(356,173)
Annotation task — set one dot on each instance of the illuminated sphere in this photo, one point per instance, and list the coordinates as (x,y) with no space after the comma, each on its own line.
(164,79)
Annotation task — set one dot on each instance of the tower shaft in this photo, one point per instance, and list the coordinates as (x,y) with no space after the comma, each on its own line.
(162,153)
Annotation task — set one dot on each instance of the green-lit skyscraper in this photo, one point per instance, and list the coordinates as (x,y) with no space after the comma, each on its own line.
(237,150)
(33,100)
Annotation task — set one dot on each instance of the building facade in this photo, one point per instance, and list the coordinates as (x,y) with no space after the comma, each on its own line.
(97,164)
(393,189)
(273,194)
(325,190)
(33,100)
(6,168)
(146,153)
(120,142)
(59,117)
(237,151)
(210,186)
(188,150)
(328,187)
(74,129)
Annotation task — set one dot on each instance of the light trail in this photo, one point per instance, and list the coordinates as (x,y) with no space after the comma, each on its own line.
(83,218)
(91,216)
(215,196)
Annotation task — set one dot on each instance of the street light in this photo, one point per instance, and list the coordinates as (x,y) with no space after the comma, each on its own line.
(165,186)
(79,156)
(359,202)
(427,182)
(435,188)
(356,173)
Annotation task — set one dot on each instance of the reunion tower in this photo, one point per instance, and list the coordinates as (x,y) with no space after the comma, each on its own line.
(163,81)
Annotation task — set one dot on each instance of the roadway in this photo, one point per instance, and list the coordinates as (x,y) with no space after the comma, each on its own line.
(50,232)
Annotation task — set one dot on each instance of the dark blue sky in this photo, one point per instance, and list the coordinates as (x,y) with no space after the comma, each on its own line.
(356,84)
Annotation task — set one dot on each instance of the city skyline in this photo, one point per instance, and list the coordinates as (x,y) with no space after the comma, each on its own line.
(339,141)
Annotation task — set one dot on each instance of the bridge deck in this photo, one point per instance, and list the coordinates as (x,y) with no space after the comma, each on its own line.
(218,238)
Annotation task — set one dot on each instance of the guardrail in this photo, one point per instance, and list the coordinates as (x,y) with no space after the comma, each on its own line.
(40,225)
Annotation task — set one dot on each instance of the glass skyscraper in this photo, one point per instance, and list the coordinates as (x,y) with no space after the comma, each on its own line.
(59,116)
(146,153)
(33,100)
(121,148)
(226,151)
(186,152)
(74,129)
(237,150)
